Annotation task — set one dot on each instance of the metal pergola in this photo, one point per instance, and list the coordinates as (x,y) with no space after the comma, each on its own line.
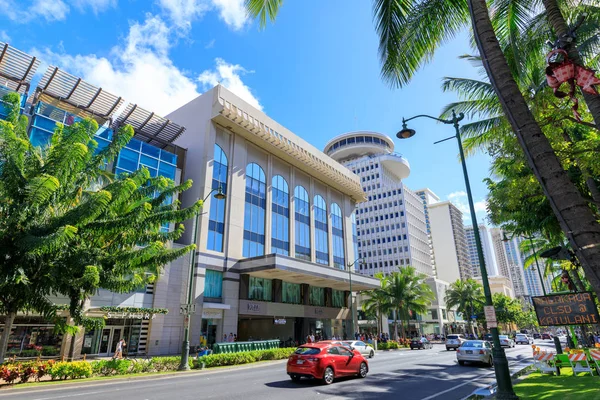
(16,68)
(149,127)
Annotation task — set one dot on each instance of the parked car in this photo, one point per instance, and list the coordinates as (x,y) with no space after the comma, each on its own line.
(454,341)
(562,339)
(488,337)
(420,343)
(326,361)
(362,347)
(537,335)
(505,341)
(546,336)
(476,351)
(521,338)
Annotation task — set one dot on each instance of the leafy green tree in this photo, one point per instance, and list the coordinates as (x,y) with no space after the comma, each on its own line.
(410,32)
(466,297)
(377,304)
(64,231)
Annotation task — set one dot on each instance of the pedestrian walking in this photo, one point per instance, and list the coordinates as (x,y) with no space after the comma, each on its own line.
(119,350)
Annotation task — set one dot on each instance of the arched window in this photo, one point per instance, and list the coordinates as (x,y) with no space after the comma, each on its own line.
(355,239)
(254,211)
(280,218)
(337,231)
(321,244)
(302,217)
(216,215)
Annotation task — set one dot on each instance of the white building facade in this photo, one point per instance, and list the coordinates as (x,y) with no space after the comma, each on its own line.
(488,252)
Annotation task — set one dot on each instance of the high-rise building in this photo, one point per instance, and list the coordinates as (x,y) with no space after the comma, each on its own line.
(533,285)
(391,224)
(428,197)
(488,253)
(507,266)
(449,242)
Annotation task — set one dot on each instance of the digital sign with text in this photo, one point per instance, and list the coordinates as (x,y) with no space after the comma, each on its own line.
(566,309)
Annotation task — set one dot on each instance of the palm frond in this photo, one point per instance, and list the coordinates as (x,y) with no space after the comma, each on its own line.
(263,9)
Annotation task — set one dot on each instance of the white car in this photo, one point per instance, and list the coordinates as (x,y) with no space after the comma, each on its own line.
(362,347)
(505,341)
(522,338)
(562,338)
(454,341)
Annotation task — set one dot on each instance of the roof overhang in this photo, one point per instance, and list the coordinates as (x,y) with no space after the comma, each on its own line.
(16,68)
(274,266)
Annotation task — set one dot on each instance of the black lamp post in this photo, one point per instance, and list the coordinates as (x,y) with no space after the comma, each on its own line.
(505,388)
(185,346)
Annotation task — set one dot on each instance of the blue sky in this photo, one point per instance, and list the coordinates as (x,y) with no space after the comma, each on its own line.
(316,70)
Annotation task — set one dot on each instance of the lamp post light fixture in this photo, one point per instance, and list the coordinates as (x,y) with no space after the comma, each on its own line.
(185,346)
(351,299)
(505,388)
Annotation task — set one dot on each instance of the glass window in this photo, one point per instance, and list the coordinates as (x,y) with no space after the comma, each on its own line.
(290,293)
(213,284)
(260,289)
(302,225)
(337,229)
(321,229)
(216,219)
(150,150)
(280,218)
(337,298)
(317,296)
(254,211)
(128,160)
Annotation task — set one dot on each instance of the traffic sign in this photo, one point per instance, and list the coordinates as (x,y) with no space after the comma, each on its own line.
(473,316)
(490,316)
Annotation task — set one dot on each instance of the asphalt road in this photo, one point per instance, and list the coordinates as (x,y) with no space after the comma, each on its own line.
(410,375)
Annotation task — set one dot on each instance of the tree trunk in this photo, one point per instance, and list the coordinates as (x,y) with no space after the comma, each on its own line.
(575,217)
(560,27)
(577,280)
(10,318)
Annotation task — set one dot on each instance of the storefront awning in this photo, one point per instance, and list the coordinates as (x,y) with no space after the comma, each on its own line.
(274,266)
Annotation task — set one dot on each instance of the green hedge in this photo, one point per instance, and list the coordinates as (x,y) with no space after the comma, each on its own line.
(219,360)
(390,345)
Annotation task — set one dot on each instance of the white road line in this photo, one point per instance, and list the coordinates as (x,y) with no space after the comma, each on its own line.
(69,395)
(433,396)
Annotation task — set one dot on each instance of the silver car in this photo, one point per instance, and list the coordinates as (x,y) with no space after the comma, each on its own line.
(362,347)
(522,338)
(505,341)
(454,341)
(476,351)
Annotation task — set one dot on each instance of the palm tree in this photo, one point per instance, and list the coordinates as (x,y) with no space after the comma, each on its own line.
(408,292)
(377,303)
(465,296)
(411,31)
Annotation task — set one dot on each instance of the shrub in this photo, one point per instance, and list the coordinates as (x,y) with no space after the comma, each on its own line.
(160,364)
(30,353)
(28,370)
(110,367)
(10,372)
(60,370)
(220,360)
(49,351)
(80,369)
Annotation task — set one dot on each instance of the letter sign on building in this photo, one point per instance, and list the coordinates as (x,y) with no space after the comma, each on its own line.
(566,309)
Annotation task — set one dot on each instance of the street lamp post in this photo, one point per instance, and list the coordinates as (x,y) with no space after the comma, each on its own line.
(505,388)
(185,346)
(351,300)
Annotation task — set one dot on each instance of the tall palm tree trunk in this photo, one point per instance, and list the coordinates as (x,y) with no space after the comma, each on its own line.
(8,323)
(560,27)
(575,217)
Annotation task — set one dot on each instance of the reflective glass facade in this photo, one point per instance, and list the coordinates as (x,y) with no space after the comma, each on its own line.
(354,238)
(316,296)
(260,289)
(302,223)
(213,284)
(337,298)
(321,228)
(216,222)
(44,121)
(337,230)
(254,211)
(290,293)
(280,218)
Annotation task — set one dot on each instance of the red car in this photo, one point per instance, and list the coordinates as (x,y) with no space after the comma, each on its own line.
(546,336)
(326,361)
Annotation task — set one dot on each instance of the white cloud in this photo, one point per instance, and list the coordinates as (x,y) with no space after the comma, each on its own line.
(54,10)
(229,75)
(183,12)
(210,44)
(232,12)
(4,37)
(141,71)
(458,194)
(96,5)
(459,199)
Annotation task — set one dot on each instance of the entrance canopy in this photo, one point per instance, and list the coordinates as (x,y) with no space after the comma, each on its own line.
(275,266)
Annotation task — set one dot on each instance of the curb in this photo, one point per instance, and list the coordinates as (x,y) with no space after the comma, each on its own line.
(490,391)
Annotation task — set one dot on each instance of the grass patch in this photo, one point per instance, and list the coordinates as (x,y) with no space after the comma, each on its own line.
(564,387)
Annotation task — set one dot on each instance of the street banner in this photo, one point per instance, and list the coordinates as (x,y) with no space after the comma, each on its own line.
(566,309)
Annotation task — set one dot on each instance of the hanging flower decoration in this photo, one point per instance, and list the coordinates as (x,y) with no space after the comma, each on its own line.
(562,70)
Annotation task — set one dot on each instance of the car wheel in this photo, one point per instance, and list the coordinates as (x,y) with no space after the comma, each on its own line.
(447,348)
(363,370)
(295,377)
(371,354)
(460,362)
(328,376)
(490,362)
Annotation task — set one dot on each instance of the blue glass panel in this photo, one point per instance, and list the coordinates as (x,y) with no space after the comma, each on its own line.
(168,157)
(148,161)
(105,132)
(40,138)
(128,160)
(166,170)
(44,123)
(150,150)
(134,144)
(213,284)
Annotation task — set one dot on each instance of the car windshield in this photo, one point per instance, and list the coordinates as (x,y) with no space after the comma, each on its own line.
(307,350)
(477,345)
(503,337)
(452,336)
(522,336)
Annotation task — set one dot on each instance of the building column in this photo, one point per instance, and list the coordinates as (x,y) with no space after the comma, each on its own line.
(269,205)
(329,226)
(292,224)
(231,290)
(313,241)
